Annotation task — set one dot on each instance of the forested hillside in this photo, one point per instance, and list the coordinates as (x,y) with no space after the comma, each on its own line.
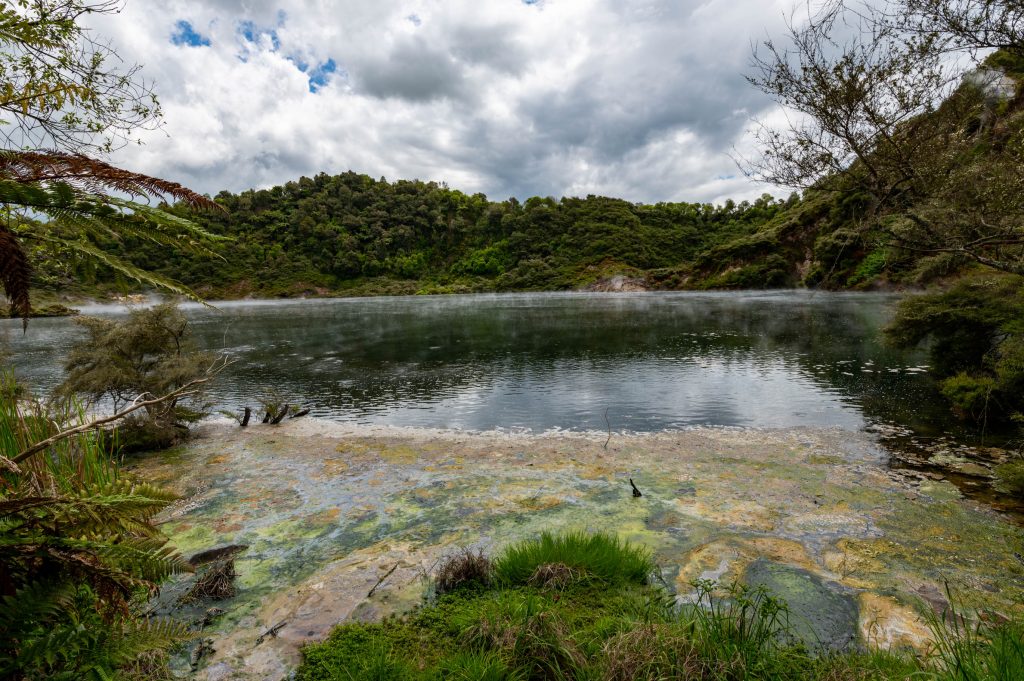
(353,233)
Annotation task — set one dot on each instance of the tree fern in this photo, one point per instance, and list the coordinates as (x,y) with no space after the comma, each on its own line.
(82,204)
(77,548)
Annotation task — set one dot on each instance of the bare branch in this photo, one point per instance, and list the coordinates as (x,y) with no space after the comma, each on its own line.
(183,391)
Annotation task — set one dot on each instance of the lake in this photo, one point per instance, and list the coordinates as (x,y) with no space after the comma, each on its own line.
(541,361)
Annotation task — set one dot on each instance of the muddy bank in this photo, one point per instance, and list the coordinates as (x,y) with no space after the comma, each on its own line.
(327,511)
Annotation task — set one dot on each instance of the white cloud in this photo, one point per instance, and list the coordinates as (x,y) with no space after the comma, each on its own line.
(640,99)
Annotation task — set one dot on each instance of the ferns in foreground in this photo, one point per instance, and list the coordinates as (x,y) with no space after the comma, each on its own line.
(78,555)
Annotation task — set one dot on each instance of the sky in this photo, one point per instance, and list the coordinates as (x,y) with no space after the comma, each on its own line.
(639,99)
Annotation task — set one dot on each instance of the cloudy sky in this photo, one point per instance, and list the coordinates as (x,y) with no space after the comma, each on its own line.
(642,99)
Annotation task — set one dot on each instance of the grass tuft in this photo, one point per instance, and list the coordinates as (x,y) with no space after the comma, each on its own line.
(462,570)
(598,556)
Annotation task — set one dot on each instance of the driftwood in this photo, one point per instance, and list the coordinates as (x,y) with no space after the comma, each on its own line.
(609,424)
(299,413)
(219,553)
(636,491)
(382,579)
(245,417)
(280,416)
(271,632)
(267,417)
(216,582)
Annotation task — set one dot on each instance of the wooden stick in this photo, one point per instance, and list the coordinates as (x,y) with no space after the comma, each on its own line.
(381,580)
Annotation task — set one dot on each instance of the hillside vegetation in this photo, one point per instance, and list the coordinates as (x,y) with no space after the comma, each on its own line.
(351,234)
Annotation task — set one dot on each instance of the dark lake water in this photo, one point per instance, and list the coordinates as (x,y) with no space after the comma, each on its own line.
(554,360)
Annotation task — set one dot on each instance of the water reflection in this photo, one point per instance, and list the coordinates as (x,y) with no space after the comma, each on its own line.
(540,361)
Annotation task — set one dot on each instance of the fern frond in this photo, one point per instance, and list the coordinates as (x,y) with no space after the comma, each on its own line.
(149,559)
(94,176)
(15,274)
(141,635)
(35,602)
(122,266)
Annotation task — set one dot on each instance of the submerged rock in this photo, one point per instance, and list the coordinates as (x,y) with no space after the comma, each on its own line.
(823,615)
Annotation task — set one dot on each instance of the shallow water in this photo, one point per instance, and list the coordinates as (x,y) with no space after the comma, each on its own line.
(344,523)
(541,361)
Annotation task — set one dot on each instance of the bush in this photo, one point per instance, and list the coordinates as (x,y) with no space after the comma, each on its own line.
(1010,477)
(975,333)
(78,549)
(149,353)
(594,556)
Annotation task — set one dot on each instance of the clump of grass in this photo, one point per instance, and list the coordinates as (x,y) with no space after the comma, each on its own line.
(651,651)
(478,666)
(979,651)
(462,570)
(598,556)
(526,630)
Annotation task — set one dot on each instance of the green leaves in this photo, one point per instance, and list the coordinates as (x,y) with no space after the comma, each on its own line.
(77,549)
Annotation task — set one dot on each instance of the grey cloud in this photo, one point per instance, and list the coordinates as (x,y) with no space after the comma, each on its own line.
(641,100)
(413,71)
(492,46)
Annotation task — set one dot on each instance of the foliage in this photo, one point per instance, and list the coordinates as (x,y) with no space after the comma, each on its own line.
(71,191)
(975,332)
(59,90)
(62,87)
(620,630)
(596,556)
(77,551)
(350,233)
(151,352)
(1010,477)
(884,113)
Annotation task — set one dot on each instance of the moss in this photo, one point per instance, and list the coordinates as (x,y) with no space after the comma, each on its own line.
(1011,477)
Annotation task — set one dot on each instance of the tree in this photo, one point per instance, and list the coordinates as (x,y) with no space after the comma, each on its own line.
(62,88)
(878,107)
(149,353)
(57,91)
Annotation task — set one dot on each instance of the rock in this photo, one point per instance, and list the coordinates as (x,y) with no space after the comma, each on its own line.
(618,284)
(219,553)
(821,615)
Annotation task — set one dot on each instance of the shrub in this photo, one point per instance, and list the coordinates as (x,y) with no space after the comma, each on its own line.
(975,333)
(77,550)
(151,352)
(596,556)
(1010,477)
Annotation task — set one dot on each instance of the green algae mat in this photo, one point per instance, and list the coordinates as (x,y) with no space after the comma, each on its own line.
(347,524)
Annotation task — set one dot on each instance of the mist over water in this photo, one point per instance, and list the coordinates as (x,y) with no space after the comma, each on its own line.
(540,361)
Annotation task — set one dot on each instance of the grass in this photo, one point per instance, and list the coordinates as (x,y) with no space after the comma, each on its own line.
(610,624)
(591,556)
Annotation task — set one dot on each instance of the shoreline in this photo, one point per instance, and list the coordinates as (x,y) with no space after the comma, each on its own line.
(327,511)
